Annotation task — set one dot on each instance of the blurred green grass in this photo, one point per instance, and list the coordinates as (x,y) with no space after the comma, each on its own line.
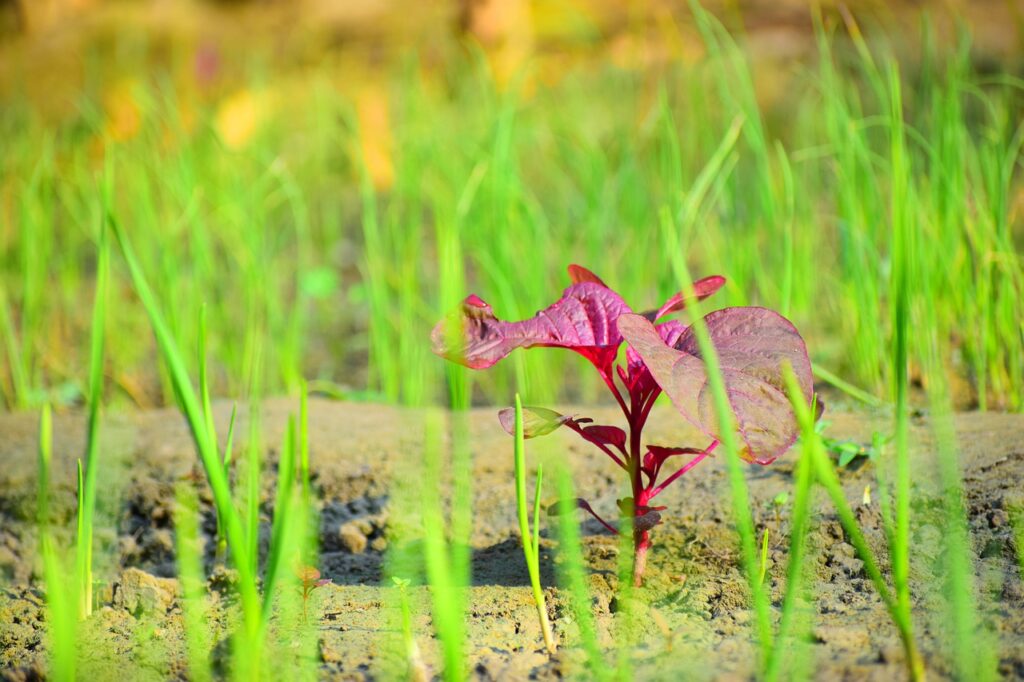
(315,211)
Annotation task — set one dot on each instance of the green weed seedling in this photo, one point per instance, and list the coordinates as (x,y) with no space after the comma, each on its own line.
(530,541)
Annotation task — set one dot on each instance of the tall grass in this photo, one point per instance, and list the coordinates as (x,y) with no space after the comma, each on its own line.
(192,578)
(250,658)
(87,482)
(507,182)
(903,246)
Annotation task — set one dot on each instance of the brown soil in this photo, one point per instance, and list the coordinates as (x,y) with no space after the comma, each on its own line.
(692,618)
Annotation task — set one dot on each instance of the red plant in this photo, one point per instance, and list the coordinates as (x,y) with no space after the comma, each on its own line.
(593,320)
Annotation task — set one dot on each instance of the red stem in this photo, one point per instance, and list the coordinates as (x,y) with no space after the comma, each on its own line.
(610,380)
(641,539)
(604,523)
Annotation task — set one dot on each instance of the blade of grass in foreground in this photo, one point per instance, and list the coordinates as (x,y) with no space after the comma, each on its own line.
(60,592)
(530,542)
(846,387)
(737,484)
(206,445)
(190,575)
(87,490)
(282,512)
(18,396)
(711,174)
(970,645)
(447,595)
(786,638)
(903,249)
(826,475)
(572,572)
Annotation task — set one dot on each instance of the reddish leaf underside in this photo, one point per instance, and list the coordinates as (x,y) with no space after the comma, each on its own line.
(537,421)
(752,344)
(540,421)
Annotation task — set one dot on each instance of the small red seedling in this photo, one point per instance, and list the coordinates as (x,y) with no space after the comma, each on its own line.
(309,580)
(753,345)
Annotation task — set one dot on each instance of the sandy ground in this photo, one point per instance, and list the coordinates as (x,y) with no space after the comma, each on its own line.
(692,619)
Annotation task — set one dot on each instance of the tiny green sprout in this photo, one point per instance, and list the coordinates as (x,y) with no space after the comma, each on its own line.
(309,580)
(412,651)
(848,451)
(778,502)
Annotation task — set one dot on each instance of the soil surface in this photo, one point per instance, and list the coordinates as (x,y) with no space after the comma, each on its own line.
(691,619)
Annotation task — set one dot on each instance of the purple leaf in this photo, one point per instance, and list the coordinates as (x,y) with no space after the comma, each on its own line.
(537,421)
(752,345)
(582,320)
(600,434)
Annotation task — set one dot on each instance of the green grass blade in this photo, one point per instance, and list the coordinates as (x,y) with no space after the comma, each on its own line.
(536,510)
(193,584)
(711,174)
(229,445)
(282,513)
(846,387)
(84,550)
(763,571)
(19,390)
(60,592)
(530,541)
(204,439)
(447,595)
(798,529)
(573,576)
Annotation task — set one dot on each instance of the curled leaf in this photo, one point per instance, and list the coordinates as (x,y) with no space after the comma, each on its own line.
(752,345)
(537,421)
